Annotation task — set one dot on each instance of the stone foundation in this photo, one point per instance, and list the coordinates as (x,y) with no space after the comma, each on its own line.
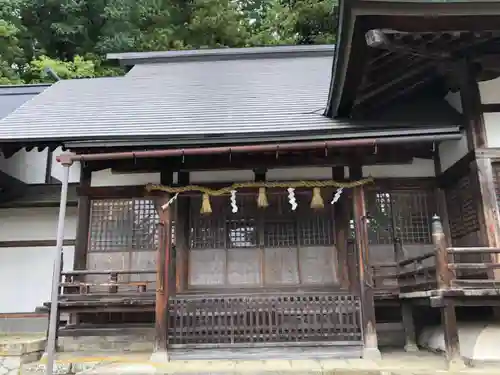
(18,350)
(142,341)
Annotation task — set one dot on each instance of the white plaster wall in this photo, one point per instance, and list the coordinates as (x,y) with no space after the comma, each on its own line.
(35,224)
(452,151)
(453,99)
(490,91)
(107,178)
(492,124)
(57,168)
(26,272)
(418,168)
(26,276)
(490,94)
(28,167)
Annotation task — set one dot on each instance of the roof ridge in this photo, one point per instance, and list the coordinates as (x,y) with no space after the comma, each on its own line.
(222,54)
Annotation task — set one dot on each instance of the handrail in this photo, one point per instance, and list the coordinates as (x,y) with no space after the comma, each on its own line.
(473,250)
(72,283)
(417,258)
(106,272)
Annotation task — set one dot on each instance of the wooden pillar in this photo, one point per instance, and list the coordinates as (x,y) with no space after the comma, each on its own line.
(82,231)
(364,269)
(448,315)
(488,206)
(470,99)
(341,218)
(409,326)
(260,175)
(481,168)
(83,228)
(163,276)
(182,236)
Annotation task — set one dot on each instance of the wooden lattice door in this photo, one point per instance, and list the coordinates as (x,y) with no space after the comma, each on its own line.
(123,236)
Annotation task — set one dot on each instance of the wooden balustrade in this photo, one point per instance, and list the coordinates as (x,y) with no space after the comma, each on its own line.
(443,268)
(105,282)
(385,279)
(474,274)
(301,318)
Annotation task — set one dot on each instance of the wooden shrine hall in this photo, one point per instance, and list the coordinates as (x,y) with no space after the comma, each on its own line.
(286,196)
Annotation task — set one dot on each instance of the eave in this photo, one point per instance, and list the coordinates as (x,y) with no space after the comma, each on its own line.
(353,55)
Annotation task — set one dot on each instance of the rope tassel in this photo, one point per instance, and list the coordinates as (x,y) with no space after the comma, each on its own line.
(262,198)
(206,208)
(317,199)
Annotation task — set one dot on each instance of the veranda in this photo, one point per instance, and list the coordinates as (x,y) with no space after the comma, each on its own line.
(288,267)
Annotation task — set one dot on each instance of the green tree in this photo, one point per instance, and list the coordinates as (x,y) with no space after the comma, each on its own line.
(76,68)
(62,29)
(12,57)
(135,25)
(215,23)
(73,36)
(295,22)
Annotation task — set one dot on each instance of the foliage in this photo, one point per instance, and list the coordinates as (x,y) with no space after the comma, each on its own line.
(72,37)
(11,31)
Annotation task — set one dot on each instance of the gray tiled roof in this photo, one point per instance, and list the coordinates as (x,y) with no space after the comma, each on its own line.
(12,97)
(263,95)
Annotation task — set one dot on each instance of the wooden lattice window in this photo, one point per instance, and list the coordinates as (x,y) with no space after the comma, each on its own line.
(282,227)
(304,227)
(405,214)
(123,225)
(261,246)
(462,210)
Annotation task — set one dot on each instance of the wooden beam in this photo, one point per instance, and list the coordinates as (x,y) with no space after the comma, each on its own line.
(398,79)
(355,68)
(139,191)
(34,243)
(364,269)
(492,153)
(441,23)
(386,154)
(112,192)
(470,99)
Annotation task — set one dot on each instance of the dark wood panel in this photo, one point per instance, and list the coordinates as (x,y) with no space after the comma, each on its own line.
(490,108)
(34,243)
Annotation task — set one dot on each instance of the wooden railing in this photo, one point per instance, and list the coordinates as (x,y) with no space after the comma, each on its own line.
(113,282)
(299,318)
(476,275)
(385,278)
(444,268)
